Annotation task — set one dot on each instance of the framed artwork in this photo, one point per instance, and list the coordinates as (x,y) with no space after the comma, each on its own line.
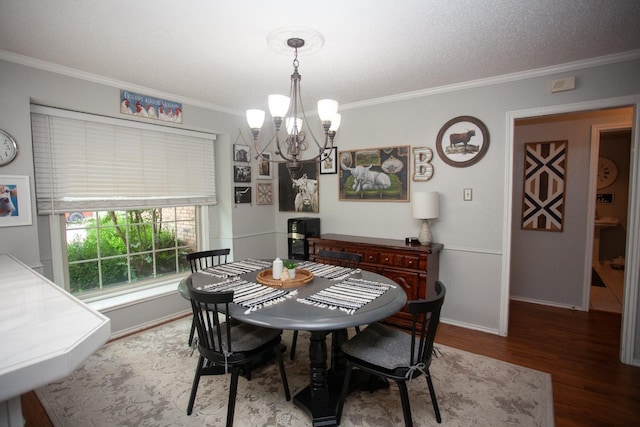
(605,198)
(462,141)
(242,195)
(264,193)
(375,174)
(299,193)
(545,167)
(329,165)
(241,153)
(264,166)
(15,201)
(241,173)
(149,107)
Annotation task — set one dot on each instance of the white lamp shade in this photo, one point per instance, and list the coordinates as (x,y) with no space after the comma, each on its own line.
(278,105)
(255,118)
(335,122)
(290,122)
(426,205)
(327,108)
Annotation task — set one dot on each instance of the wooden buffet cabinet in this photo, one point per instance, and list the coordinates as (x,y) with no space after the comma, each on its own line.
(412,266)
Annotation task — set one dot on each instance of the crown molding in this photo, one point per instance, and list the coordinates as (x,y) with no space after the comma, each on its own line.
(95,78)
(505,78)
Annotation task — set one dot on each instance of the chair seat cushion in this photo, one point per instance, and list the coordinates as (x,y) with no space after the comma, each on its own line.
(247,337)
(381,346)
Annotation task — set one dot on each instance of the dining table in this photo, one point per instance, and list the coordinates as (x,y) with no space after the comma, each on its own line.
(323,300)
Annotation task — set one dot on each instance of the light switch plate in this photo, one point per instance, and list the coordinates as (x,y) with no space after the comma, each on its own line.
(467,194)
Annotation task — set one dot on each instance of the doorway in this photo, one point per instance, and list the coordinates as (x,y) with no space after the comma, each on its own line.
(554,268)
(612,146)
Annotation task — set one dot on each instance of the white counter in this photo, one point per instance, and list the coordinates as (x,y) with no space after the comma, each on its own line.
(45,333)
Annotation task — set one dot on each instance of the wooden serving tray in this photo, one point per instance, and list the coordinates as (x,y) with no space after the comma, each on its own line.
(302,278)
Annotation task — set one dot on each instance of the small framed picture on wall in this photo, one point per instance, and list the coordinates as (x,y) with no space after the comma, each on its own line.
(242,195)
(264,166)
(241,153)
(241,173)
(329,165)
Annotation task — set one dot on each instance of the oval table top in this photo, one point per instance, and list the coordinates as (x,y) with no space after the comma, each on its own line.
(292,314)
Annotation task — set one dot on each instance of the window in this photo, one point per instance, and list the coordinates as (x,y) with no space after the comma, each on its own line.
(108,250)
(130,194)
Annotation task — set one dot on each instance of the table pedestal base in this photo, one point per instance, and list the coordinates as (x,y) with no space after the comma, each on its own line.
(320,398)
(322,411)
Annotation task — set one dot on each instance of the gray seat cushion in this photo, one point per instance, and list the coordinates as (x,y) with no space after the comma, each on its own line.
(380,346)
(249,337)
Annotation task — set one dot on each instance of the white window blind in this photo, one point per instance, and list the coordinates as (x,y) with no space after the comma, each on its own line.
(86,162)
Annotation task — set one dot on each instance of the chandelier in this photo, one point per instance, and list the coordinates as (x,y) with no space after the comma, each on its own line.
(289,110)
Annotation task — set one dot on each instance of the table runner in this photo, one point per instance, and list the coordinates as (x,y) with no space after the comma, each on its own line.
(327,271)
(250,295)
(236,268)
(348,295)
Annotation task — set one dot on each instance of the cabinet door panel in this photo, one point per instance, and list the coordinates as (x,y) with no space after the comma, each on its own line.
(408,281)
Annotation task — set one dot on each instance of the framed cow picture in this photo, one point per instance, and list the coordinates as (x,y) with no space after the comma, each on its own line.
(374,174)
(298,192)
(241,153)
(242,194)
(241,173)
(462,141)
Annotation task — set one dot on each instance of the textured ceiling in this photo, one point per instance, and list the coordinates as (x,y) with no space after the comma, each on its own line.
(216,52)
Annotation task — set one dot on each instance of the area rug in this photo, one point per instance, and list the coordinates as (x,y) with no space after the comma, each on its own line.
(145,380)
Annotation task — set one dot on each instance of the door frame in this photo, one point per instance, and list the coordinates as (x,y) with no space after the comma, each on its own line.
(632,271)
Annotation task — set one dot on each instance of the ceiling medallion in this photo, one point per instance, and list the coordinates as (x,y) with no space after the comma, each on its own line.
(278,40)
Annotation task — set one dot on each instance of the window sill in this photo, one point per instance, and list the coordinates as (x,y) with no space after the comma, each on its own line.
(114,301)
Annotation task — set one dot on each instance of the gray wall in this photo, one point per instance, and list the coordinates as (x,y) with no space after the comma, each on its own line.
(472,263)
(472,232)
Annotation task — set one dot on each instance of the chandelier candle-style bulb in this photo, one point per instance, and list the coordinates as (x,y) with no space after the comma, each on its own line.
(278,105)
(335,122)
(293,126)
(255,118)
(327,108)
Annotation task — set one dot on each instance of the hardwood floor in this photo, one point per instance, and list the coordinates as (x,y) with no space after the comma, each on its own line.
(591,387)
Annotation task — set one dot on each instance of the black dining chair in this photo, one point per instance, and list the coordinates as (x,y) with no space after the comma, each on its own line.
(339,258)
(398,355)
(205,259)
(233,346)
(198,262)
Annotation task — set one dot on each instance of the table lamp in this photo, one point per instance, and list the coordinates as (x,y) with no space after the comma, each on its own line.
(425,206)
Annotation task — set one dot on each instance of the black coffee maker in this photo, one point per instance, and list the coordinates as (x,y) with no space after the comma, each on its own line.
(299,230)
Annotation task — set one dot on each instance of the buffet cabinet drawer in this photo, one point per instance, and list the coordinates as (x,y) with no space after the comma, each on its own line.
(371,257)
(388,258)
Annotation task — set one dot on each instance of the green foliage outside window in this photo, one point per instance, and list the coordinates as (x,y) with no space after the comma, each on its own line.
(133,246)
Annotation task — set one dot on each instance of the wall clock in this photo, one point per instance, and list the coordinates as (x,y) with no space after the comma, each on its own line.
(607,172)
(8,148)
